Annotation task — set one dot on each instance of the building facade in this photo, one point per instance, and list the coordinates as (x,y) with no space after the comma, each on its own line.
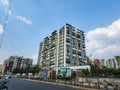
(1,66)
(97,62)
(109,63)
(16,62)
(103,63)
(7,66)
(64,48)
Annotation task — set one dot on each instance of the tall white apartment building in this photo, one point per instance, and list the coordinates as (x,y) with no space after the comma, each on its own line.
(64,48)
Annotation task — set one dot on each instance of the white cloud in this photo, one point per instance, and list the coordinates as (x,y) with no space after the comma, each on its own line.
(104,42)
(35,58)
(9,12)
(24,19)
(4,2)
(1,29)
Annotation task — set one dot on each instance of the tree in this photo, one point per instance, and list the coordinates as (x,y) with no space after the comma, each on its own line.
(118,60)
(35,69)
(94,70)
(22,70)
(16,70)
(85,71)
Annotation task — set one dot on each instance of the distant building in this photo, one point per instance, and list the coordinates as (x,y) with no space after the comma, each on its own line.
(21,62)
(97,62)
(103,63)
(111,63)
(1,68)
(88,61)
(64,48)
(16,62)
(7,66)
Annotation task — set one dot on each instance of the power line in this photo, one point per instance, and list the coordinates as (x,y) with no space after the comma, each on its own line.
(5,23)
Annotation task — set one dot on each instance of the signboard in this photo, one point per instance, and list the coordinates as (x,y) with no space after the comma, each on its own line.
(44,74)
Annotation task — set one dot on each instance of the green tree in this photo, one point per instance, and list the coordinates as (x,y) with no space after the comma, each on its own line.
(118,60)
(35,69)
(85,71)
(94,70)
(16,70)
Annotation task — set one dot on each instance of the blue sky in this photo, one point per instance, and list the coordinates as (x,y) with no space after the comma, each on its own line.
(32,20)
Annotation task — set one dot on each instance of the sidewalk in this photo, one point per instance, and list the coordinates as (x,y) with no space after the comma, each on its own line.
(66,85)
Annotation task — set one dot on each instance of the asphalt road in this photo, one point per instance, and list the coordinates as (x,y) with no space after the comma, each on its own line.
(18,84)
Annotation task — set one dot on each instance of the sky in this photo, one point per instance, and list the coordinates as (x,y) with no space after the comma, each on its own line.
(30,21)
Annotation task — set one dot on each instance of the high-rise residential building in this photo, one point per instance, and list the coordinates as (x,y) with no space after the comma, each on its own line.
(64,48)
(16,62)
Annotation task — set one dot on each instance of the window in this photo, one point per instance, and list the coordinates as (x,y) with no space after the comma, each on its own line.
(78,45)
(68,32)
(67,60)
(68,40)
(78,36)
(74,52)
(73,34)
(79,53)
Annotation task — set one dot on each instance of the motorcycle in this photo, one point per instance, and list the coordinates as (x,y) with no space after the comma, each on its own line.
(3,85)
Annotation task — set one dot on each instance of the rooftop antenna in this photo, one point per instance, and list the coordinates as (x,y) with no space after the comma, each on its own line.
(5,22)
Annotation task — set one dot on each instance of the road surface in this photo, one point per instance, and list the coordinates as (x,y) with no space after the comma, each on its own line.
(19,84)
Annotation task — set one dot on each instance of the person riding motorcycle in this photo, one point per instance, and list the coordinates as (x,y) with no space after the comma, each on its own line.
(3,84)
